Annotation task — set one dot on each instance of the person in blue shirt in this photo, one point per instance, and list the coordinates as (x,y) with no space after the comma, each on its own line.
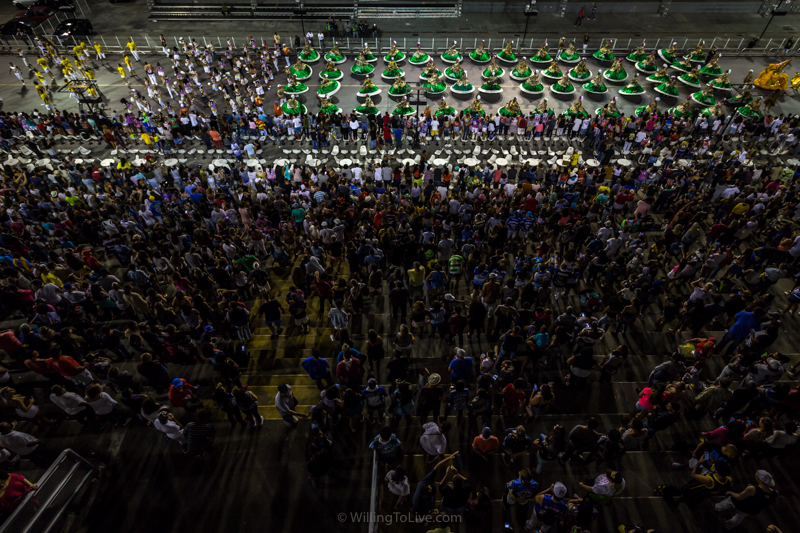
(353,352)
(387,445)
(375,399)
(746,321)
(520,490)
(550,508)
(458,398)
(318,369)
(461,366)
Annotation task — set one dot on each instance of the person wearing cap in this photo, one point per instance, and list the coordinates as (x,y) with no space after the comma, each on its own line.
(461,367)
(605,487)
(765,373)
(430,398)
(485,444)
(285,403)
(549,509)
(182,394)
(749,502)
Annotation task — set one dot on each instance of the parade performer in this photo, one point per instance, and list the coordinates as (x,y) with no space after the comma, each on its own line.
(596,85)
(616,72)
(452,55)
(633,88)
(419,57)
(579,73)
(533,85)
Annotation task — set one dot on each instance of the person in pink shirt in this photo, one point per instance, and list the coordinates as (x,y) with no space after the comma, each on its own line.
(649,399)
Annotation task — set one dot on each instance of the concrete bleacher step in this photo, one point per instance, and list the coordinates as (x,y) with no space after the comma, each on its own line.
(612,399)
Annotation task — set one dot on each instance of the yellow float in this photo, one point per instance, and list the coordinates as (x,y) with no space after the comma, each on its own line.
(772,78)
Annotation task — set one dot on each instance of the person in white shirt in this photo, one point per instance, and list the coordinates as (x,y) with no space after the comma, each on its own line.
(339,318)
(782,438)
(171,428)
(433,440)
(357,174)
(103,405)
(47,292)
(72,404)
(24,445)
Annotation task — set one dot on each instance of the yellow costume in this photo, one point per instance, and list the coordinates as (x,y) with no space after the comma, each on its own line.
(772,78)
(796,81)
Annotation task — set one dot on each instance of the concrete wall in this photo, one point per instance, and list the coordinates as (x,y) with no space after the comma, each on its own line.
(619,6)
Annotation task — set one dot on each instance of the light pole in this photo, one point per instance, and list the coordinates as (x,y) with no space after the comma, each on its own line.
(775,13)
(530,11)
(301,11)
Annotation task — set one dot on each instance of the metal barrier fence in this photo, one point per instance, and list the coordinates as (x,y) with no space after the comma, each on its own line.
(42,510)
(726,46)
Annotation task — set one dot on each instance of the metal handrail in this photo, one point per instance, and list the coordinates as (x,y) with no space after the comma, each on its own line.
(33,524)
(373,497)
(621,47)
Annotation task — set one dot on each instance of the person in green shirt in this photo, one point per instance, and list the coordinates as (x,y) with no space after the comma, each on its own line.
(247,262)
(455,265)
(298,214)
(72,199)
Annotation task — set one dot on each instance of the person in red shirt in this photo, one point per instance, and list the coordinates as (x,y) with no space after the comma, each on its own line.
(9,342)
(324,290)
(69,368)
(91,261)
(513,396)
(181,394)
(376,220)
(16,487)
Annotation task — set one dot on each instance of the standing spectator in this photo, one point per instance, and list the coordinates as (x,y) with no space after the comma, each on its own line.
(581,439)
(749,502)
(550,508)
(285,403)
(581,15)
(318,369)
(485,444)
(398,484)
(247,403)
(339,318)
(433,439)
(388,446)
(461,366)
